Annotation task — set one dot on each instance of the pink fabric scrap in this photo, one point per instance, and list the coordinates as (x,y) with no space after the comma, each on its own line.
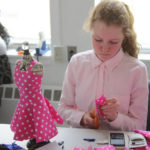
(108,147)
(100,102)
(79,148)
(146,134)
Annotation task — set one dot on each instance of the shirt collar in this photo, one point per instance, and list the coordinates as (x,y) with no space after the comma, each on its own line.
(111,63)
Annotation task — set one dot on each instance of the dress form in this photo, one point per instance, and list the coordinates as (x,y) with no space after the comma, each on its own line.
(34,116)
(26,60)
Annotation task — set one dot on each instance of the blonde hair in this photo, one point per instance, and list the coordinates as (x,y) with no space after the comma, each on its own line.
(115,12)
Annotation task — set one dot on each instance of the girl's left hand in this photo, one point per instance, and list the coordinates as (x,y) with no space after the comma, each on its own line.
(110,109)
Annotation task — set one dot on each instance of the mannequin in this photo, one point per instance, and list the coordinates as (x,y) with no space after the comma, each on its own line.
(27,59)
(34,116)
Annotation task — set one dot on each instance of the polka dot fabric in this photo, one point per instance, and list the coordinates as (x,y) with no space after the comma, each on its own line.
(144,133)
(108,147)
(34,116)
(79,148)
(99,103)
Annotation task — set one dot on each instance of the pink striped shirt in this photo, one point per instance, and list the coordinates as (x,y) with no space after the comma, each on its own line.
(122,77)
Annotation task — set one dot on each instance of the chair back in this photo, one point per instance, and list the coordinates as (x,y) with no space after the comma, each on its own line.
(148,113)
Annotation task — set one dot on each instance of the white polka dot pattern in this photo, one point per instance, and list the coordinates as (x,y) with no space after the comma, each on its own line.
(108,147)
(34,116)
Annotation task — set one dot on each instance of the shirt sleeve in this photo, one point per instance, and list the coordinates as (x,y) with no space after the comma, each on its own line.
(67,106)
(137,111)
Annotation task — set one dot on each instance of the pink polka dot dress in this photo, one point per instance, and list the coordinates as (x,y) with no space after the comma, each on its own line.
(34,116)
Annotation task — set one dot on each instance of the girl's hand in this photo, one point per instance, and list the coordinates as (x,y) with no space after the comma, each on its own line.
(87,120)
(110,109)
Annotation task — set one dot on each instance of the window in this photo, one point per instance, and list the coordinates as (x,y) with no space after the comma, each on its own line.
(25,19)
(140,10)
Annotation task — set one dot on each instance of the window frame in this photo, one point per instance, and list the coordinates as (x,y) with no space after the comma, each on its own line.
(34,42)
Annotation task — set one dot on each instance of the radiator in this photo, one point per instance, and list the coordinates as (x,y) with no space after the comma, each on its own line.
(10,91)
(10,96)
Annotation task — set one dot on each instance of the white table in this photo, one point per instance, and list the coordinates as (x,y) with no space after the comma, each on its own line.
(71,136)
(74,137)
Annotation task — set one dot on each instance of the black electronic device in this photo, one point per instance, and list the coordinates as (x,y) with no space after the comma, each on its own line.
(117,139)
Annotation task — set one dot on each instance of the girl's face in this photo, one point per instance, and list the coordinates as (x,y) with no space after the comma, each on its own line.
(106,40)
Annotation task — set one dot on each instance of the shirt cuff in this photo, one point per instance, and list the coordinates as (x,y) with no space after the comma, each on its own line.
(76,119)
(116,123)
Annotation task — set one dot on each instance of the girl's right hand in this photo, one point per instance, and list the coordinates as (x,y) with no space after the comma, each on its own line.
(88,120)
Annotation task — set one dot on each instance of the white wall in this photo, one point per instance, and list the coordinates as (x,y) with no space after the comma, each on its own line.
(53,71)
(67,18)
